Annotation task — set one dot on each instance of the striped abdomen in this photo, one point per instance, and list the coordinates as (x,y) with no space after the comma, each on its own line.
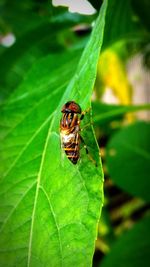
(70,144)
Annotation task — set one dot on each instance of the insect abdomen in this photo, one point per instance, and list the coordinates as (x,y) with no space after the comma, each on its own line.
(72,152)
(70,144)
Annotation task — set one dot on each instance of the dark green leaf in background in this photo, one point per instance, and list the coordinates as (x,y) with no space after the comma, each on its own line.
(142,10)
(17,59)
(35,38)
(29,48)
(121,23)
(104,113)
(49,207)
(19,17)
(132,249)
(128,159)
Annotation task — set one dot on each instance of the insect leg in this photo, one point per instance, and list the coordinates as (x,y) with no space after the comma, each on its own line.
(86,149)
(86,126)
(87,152)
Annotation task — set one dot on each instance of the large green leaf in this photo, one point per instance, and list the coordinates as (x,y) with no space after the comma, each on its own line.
(49,207)
(131,249)
(128,159)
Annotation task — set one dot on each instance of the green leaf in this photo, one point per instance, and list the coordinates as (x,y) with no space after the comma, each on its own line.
(121,23)
(132,248)
(49,207)
(104,113)
(19,17)
(19,58)
(41,39)
(142,10)
(128,159)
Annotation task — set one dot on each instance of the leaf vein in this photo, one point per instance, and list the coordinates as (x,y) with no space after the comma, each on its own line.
(14,208)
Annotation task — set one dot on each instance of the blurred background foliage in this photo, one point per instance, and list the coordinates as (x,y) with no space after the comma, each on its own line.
(32,29)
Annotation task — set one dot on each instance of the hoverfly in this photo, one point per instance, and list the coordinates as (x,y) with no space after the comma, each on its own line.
(69,130)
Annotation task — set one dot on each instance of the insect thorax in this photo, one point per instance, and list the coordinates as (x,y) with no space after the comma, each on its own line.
(69,120)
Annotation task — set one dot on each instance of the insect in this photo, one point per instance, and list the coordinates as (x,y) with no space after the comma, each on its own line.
(69,130)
